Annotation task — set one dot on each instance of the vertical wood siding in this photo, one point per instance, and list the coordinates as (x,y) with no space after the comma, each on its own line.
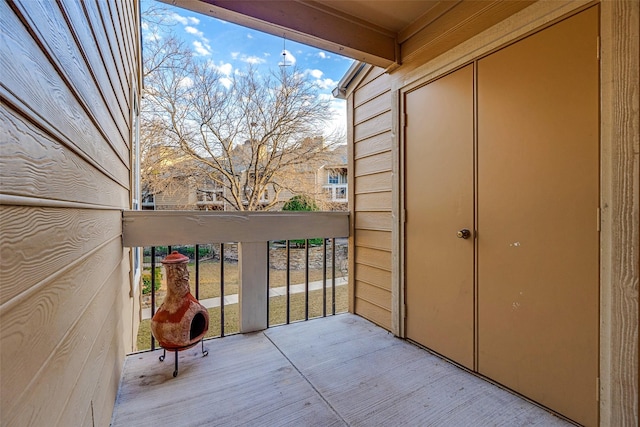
(620,203)
(371,207)
(67,72)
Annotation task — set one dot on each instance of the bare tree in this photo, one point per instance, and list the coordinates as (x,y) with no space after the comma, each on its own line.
(247,134)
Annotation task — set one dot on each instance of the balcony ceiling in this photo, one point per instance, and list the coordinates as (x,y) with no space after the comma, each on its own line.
(375,32)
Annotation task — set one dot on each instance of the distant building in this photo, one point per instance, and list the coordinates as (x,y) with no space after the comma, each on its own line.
(324,179)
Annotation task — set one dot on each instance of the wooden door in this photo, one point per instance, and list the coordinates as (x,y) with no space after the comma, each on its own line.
(439,203)
(538,239)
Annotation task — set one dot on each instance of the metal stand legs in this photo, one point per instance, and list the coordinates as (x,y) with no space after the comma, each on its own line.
(175,372)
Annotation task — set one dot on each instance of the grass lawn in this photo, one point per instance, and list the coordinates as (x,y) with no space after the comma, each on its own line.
(277,312)
(210,279)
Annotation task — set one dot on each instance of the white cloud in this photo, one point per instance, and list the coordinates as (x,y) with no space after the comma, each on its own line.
(201,49)
(323,55)
(192,30)
(288,58)
(249,36)
(253,59)
(179,18)
(226,82)
(326,83)
(184,20)
(316,74)
(152,36)
(235,55)
(338,123)
(186,82)
(225,68)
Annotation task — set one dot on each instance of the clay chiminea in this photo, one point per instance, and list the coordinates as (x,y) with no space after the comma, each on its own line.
(181,321)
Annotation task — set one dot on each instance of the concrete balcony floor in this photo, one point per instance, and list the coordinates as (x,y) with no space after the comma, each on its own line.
(334,371)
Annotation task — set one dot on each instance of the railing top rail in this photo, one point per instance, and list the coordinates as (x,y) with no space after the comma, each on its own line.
(158,228)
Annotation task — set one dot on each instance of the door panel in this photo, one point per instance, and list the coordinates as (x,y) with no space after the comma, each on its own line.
(538,174)
(439,202)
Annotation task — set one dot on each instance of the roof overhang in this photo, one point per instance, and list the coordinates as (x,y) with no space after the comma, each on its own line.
(311,23)
(383,33)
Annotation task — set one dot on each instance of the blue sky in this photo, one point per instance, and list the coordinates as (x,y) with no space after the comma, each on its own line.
(231,47)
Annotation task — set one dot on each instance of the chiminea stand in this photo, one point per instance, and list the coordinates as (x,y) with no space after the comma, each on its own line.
(164,355)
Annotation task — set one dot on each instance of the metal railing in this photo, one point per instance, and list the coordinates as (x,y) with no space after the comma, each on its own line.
(263,264)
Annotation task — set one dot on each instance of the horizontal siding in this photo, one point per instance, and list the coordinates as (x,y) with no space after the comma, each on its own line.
(372,204)
(45,321)
(374,126)
(64,376)
(374,294)
(374,182)
(73,66)
(375,258)
(66,314)
(374,313)
(379,277)
(373,107)
(44,241)
(372,239)
(374,164)
(374,84)
(30,80)
(379,201)
(102,28)
(373,74)
(381,221)
(114,94)
(373,145)
(99,364)
(35,164)
(121,32)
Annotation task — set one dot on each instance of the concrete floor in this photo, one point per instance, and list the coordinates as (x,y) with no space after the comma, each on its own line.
(336,371)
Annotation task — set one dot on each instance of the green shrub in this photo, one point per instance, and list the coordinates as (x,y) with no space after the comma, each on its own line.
(146,280)
(204,251)
(161,251)
(302,203)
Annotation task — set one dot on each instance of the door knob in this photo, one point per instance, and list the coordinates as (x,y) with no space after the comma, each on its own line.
(464,234)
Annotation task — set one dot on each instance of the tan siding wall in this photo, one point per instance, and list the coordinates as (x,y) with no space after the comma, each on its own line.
(66,314)
(372,205)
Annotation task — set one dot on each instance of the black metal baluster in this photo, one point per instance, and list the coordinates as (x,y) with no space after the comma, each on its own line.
(324,277)
(197,258)
(333,275)
(153,291)
(288,281)
(268,283)
(306,279)
(221,289)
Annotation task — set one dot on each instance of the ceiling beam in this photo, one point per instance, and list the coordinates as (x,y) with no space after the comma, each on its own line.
(305,22)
